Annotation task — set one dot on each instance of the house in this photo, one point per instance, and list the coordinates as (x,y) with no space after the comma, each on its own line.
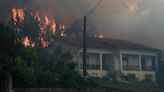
(113,56)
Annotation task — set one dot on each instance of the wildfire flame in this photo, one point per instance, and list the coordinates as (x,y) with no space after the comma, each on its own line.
(45,23)
(14,14)
(21,14)
(53,26)
(18,14)
(46,20)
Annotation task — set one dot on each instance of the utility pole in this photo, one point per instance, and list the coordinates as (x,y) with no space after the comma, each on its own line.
(84,49)
(84,40)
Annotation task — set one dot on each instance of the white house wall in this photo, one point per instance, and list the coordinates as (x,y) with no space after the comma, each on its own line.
(140,74)
(115,65)
(139,52)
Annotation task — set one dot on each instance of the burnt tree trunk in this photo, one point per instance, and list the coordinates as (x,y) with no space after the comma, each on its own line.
(8,83)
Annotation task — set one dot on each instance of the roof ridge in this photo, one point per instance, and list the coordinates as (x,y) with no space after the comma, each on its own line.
(108,42)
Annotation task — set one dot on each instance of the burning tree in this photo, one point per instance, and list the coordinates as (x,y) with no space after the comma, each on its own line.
(42,68)
(34,29)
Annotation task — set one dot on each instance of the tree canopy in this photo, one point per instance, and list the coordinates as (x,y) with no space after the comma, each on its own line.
(37,67)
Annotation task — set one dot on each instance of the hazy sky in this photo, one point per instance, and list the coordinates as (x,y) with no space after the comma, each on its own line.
(135,20)
(141,21)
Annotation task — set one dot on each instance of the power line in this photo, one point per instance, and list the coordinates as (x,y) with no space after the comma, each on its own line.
(94,7)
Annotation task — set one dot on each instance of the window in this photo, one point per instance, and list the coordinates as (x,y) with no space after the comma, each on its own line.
(153,61)
(92,61)
(148,63)
(81,60)
(107,62)
(143,63)
(125,61)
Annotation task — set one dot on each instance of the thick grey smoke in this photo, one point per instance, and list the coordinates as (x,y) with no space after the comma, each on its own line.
(143,24)
(139,21)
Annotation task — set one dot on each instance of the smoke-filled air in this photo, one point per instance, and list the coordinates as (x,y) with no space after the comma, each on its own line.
(139,21)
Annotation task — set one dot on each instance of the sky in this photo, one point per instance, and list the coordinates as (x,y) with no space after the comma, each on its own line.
(139,21)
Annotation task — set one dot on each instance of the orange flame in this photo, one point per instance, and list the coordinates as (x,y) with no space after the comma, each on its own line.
(18,13)
(46,20)
(45,24)
(14,14)
(21,14)
(53,26)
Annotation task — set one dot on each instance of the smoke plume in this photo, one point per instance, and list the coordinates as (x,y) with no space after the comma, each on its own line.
(139,21)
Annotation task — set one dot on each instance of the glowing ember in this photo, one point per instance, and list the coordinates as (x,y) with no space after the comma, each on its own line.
(26,41)
(33,44)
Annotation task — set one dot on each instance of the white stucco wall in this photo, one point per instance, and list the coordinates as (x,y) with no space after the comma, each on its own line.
(115,65)
(141,74)
(96,73)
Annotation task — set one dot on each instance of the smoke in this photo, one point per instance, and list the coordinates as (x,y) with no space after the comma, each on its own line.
(139,21)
